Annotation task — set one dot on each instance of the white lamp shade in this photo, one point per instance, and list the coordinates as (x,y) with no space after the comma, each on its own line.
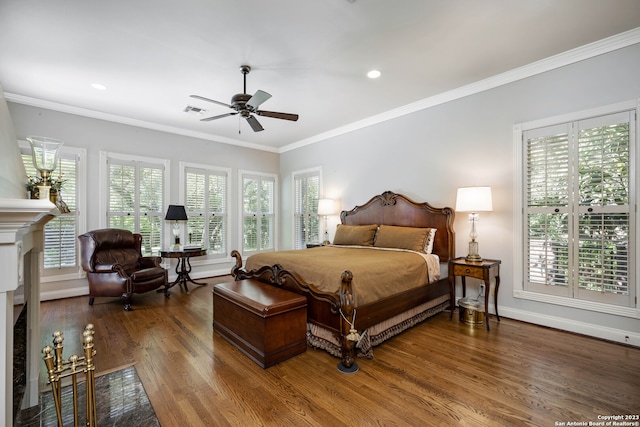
(474,199)
(326,207)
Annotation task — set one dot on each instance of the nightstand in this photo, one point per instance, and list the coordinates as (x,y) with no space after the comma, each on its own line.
(482,270)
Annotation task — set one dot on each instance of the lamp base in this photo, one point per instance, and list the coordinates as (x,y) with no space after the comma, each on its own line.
(351,370)
(473,256)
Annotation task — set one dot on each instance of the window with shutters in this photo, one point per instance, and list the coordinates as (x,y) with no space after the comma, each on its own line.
(579,210)
(306,193)
(60,254)
(136,198)
(258,211)
(206,192)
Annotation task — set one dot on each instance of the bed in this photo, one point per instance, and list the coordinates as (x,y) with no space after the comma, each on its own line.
(344,317)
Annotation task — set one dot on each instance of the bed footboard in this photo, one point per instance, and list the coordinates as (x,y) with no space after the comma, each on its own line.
(341,303)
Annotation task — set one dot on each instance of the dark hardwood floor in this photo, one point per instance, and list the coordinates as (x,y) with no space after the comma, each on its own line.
(440,372)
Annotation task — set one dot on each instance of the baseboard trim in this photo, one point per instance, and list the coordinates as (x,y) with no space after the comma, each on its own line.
(64,293)
(202,274)
(583,328)
(84,290)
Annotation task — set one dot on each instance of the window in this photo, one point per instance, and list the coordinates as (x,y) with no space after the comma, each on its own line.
(258,211)
(306,189)
(135,198)
(578,211)
(60,255)
(206,200)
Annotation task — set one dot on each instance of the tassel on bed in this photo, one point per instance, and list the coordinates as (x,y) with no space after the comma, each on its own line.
(353,335)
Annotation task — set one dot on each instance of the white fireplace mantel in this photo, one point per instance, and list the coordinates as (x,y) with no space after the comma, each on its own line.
(21,240)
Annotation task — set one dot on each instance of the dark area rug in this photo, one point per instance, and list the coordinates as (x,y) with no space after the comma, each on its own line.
(120,400)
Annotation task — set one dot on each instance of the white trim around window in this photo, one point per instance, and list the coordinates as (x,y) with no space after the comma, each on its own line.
(242,174)
(103,180)
(183,167)
(519,272)
(80,156)
(298,175)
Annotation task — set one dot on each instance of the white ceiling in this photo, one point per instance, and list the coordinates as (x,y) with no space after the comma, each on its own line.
(312,56)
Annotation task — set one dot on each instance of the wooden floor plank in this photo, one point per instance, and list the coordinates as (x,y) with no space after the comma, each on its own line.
(440,372)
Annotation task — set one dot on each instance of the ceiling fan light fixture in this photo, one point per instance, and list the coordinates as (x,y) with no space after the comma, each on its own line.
(374,74)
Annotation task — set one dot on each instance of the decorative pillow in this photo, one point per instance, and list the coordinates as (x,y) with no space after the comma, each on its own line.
(356,235)
(412,238)
(428,243)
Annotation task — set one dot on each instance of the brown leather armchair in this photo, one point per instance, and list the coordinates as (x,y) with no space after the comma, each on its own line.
(115,266)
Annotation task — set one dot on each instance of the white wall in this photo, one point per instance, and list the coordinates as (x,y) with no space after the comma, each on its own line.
(98,135)
(427,155)
(12,174)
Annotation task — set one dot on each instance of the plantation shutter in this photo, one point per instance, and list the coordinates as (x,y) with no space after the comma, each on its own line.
(258,212)
(603,208)
(122,200)
(195,206)
(60,241)
(217,230)
(306,222)
(151,215)
(136,201)
(250,213)
(547,207)
(578,208)
(267,210)
(206,205)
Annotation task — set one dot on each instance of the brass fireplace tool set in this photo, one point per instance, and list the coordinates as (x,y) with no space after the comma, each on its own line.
(59,369)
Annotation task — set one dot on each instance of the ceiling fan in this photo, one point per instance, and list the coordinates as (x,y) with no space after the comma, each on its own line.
(247,105)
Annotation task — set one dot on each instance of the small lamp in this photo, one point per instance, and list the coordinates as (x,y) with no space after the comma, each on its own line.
(176,213)
(44,153)
(474,200)
(326,207)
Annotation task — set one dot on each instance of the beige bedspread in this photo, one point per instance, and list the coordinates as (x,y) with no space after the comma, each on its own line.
(377,273)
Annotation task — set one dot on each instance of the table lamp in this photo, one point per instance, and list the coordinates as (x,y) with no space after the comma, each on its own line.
(176,213)
(474,200)
(326,207)
(44,154)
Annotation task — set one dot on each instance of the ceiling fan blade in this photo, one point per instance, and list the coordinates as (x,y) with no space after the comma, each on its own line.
(255,124)
(258,98)
(276,115)
(208,119)
(202,98)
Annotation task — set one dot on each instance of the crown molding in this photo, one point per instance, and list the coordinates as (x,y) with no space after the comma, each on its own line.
(84,112)
(572,56)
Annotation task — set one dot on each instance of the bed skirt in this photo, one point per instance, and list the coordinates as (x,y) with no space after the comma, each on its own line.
(325,339)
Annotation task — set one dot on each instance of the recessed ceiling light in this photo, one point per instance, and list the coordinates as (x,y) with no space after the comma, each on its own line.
(374,74)
(98,86)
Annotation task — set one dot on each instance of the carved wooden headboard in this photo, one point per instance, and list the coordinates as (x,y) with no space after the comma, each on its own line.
(390,208)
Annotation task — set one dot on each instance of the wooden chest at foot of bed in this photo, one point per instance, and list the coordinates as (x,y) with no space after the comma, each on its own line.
(266,323)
